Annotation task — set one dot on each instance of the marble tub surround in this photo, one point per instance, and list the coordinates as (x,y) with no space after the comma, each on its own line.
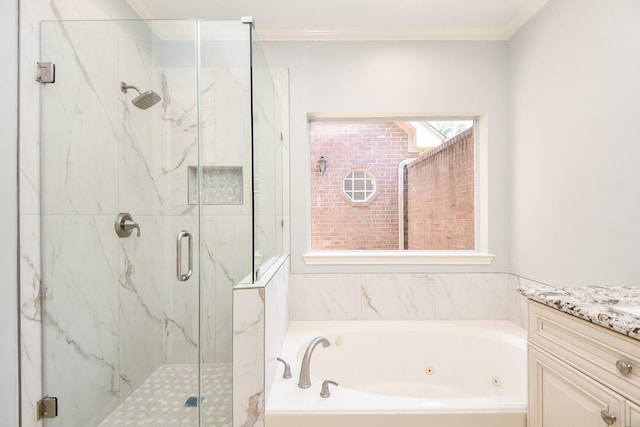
(597,304)
(402,296)
(259,326)
(517,307)
(248,356)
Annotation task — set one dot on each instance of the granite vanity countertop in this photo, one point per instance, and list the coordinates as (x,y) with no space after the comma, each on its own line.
(597,304)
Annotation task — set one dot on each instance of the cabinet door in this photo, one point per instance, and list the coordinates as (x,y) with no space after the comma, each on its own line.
(633,415)
(560,396)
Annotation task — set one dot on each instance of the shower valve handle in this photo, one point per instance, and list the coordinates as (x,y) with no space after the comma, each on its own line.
(125,225)
(130,226)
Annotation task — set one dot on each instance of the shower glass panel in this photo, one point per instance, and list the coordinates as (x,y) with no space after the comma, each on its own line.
(226,212)
(150,119)
(267,162)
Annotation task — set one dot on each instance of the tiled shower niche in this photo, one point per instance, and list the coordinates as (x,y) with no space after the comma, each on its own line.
(221,185)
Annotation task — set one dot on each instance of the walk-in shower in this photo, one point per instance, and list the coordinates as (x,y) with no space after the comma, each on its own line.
(129,337)
(144,100)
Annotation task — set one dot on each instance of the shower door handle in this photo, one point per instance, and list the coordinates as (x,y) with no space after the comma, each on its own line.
(183,277)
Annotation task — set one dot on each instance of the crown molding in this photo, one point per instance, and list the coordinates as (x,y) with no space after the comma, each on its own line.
(142,8)
(528,10)
(271,33)
(376,33)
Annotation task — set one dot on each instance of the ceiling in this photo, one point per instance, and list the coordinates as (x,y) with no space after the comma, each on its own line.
(358,19)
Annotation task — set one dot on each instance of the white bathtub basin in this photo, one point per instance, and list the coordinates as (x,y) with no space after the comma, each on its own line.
(454,372)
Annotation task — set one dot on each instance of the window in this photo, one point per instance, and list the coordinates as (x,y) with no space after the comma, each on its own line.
(359,185)
(388,185)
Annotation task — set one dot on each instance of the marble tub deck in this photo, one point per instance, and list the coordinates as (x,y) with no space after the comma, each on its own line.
(160,399)
(597,304)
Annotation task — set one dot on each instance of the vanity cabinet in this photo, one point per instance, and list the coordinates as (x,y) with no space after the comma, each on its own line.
(633,415)
(580,374)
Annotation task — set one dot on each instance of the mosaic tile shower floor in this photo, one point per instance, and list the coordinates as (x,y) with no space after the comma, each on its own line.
(160,399)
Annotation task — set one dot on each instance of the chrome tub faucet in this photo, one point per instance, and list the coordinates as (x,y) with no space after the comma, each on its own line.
(305,381)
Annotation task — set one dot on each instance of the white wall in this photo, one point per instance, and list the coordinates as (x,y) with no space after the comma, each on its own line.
(8,214)
(574,99)
(395,77)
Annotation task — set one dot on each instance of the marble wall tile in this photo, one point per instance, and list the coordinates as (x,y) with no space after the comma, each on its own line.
(141,314)
(224,133)
(179,144)
(31,369)
(80,85)
(79,130)
(179,137)
(398,296)
(140,155)
(248,357)
(276,323)
(210,284)
(29,147)
(129,184)
(226,130)
(31,317)
(471,296)
(325,297)
(180,299)
(32,13)
(226,106)
(232,260)
(517,303)
(226,260)
(67,101)
(29,175)
(386,297)
(80,330)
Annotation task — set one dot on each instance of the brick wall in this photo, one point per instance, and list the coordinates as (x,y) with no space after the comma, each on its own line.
(336,222)
(440,196)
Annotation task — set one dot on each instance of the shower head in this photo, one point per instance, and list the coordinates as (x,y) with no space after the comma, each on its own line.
(144,100)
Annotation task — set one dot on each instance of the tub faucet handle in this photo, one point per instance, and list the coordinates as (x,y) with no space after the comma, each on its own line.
(287,369)
(325,388)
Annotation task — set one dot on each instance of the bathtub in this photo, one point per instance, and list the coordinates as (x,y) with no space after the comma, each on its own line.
(404,374)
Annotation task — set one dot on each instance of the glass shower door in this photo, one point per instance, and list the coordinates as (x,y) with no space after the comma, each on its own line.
(225,202)
(120,223)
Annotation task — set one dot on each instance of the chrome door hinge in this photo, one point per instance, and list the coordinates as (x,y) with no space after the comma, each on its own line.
(45,72)
(47,407)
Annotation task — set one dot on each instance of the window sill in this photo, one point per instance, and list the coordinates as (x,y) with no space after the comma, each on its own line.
(398,258)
